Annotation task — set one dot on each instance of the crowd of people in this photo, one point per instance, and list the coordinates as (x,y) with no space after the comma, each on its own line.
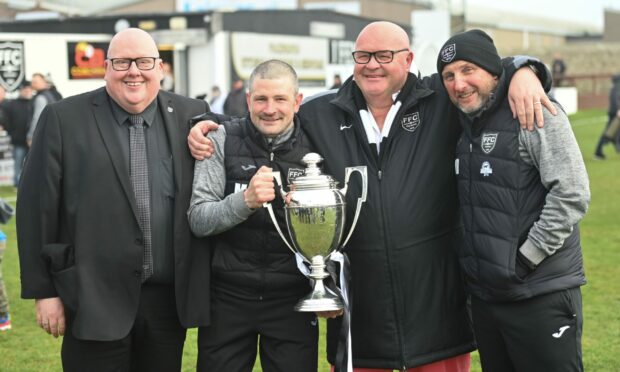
(134,225)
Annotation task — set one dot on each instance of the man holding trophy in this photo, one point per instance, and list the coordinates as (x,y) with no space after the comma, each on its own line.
(255,281)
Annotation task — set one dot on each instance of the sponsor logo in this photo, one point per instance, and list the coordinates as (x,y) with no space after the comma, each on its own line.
(486,169)
(488,142)
(411,122)
(448,53)
(240,186)
(560,332)
(11,64)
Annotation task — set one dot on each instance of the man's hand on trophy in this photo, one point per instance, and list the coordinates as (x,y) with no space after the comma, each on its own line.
(261,188)
(199,145)
(329,314)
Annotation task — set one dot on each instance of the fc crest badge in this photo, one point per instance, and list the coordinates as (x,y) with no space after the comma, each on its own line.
(11,64)
(294,173)
(488,142)
(411,121)
(448,53)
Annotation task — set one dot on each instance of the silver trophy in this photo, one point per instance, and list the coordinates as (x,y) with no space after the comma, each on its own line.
(315,218)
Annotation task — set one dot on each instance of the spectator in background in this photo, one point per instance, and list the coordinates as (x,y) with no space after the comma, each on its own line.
(3,103)
(613,114)
(45,95)
(18,114)
(52,87)
(167,83)
(216,102)
(235,104)
(558,69)
(337,82)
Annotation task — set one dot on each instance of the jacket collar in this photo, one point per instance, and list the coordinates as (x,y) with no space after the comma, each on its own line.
(350,96)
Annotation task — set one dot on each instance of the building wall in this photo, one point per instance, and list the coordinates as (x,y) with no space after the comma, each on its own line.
(612,26)
(147,6)
(390,10)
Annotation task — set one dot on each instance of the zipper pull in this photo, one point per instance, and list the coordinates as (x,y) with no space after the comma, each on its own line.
(379,174)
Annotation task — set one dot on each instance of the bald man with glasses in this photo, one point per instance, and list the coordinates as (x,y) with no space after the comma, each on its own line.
(105,247)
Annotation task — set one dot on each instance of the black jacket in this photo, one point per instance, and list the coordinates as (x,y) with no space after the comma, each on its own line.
(501,197)
(77,230)
(409,303)
(17,117)
(251,261)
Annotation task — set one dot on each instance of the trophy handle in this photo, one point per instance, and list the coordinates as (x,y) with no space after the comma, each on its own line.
(278,178)
(363,171)
(267,205)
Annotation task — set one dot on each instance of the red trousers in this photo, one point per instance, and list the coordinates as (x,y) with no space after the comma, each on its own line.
(459,363)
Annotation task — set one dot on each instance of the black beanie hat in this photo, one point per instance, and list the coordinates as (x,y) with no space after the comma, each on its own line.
(474,46)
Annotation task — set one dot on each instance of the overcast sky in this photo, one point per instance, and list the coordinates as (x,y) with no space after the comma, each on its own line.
(582,11)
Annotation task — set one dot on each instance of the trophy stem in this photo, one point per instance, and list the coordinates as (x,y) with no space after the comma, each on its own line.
(320,299)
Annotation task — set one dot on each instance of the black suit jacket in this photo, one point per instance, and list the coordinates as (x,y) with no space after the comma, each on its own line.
(77,226)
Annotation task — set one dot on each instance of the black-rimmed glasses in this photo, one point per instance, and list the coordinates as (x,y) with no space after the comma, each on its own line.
(124,64)
(381,56)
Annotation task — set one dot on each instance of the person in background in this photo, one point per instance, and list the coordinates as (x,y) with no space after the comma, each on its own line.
(105,248)
(167,83)
(52,88)
(522,195)
(558,69)
(409,309)
(18,113)
(216,100)
(3,102)
(6,211)
(255,282)
(613,114)
(44,97)
(235,103)
(337,82)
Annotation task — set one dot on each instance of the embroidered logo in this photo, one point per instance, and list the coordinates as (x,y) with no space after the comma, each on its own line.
(448,53)
(248,167)
(411,121)
(344,126)
(488,142)
(486,169)
(560,332)
(293,173)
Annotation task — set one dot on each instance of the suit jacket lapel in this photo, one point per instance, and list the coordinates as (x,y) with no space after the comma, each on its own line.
(105,121)
(173,128)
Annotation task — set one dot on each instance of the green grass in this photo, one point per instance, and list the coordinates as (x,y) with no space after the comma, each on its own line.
(27,348)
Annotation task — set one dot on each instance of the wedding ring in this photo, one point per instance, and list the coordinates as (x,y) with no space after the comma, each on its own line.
(537,103)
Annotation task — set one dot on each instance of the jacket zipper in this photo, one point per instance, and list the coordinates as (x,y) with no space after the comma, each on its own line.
(264,253)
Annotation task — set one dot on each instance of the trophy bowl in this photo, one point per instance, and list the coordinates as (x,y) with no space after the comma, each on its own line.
(315,218)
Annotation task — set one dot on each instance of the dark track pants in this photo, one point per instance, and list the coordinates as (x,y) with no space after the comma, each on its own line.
(542,333)
(287,340)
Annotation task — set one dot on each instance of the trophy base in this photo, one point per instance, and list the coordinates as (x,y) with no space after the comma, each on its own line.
(319,301)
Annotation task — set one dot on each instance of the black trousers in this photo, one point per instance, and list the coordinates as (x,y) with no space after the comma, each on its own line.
(542,333)
(154,344)
(287,340)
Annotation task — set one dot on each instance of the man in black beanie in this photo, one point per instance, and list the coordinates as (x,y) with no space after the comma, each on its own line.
(522,195)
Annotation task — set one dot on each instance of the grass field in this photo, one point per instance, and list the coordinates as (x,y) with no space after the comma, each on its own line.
(27,348)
